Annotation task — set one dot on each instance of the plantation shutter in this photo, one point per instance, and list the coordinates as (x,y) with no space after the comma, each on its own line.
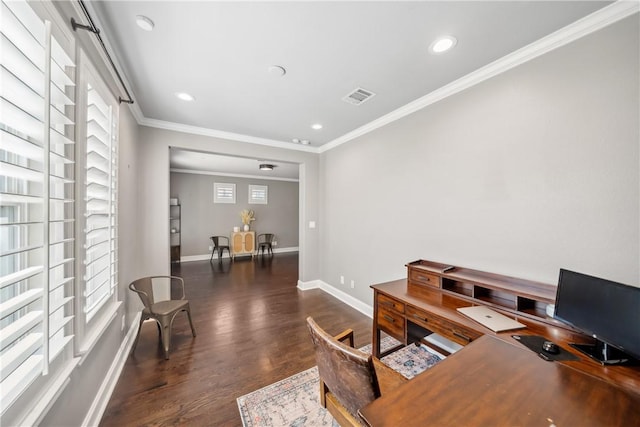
(258,194)
(224,192)
(100,197)
(36,199)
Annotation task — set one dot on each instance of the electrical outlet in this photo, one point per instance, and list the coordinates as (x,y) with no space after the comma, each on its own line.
(342,280)
(353,284)
(210,248)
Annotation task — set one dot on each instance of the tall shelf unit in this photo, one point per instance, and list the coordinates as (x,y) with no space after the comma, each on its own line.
(175,214)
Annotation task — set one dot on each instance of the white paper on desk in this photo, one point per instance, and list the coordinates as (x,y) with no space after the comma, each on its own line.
(491,319)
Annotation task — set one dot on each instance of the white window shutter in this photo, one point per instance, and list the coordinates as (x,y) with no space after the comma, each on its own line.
(36,198)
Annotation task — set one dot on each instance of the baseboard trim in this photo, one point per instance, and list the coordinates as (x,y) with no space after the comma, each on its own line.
(337,293)
(207,257)
(96,411)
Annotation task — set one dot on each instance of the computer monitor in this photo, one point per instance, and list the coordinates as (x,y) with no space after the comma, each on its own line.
(606,310)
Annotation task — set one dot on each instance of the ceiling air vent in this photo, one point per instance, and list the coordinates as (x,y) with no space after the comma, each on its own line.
(358,96)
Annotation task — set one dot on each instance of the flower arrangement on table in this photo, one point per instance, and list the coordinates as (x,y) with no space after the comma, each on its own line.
(247,216)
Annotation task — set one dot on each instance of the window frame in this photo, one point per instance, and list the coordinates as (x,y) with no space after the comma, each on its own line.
(253,188)
(218,186)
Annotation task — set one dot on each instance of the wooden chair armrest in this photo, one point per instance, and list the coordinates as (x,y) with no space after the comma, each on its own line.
(388,379)
(347,334)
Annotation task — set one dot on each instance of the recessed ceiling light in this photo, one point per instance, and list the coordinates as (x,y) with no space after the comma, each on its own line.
(266,167)
(144,23)
(184,96)
(305,142)
(443,44)
(316,126)
(295,140)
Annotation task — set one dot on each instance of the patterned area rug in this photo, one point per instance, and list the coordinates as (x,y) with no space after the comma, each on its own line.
(294,401)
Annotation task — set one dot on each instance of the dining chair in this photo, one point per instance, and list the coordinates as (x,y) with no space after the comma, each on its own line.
(265,241)
(220,243)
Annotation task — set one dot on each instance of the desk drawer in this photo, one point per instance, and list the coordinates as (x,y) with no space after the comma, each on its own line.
(390,303)
(424,278)
(390,322)
(444,327)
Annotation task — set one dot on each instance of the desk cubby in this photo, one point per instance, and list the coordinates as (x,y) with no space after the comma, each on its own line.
(520,297)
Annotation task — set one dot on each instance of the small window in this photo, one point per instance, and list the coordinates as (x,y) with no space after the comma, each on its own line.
(258,194)
(224,192)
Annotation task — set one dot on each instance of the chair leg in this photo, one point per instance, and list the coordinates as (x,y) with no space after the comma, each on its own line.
(193,330)
(323,392)
(166,339)
(212,251)
(135,343)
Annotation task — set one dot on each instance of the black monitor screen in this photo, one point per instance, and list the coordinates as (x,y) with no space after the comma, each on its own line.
(606,310)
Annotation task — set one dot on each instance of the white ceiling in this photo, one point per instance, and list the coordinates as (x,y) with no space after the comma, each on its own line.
(220,52)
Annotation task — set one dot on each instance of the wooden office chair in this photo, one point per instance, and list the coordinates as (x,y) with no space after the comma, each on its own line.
(349,378)
(265,241)
(162,312)
(220,243)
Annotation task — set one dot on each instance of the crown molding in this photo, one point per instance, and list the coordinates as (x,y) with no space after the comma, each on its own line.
(583,27)
(196,130)
(234,175)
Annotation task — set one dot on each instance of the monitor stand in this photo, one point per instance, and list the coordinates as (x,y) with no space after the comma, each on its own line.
(603,353)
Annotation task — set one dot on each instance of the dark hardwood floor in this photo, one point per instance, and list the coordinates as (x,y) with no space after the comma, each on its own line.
(251,331)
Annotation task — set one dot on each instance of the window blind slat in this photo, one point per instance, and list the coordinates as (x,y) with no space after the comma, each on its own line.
(21,121)
(14,304)
(21,172)
(21,249)
(21,147)
(102,287)
(23,27)
(57,305)
(19,353)
(21,95)
(6,199)
(58,139)
(20,275)
(55,284)
(17,63)
(19,328)
(55,328)
(21,378)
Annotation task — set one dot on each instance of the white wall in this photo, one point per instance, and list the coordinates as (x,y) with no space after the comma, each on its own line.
(530,171)
(154,192)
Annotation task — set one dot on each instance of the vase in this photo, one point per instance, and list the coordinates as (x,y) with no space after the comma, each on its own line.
(246,227)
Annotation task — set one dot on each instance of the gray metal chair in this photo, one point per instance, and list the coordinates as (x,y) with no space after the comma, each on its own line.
(265,241)
(163,312)
(220,243)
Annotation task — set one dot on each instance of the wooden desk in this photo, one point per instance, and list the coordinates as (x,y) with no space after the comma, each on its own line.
(438,308)
(494,383)
(494,380)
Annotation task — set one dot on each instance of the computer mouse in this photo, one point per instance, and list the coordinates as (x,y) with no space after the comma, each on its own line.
(550,347)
